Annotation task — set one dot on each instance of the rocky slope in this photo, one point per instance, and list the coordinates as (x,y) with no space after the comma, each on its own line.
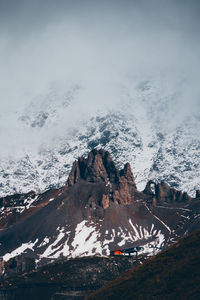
(99,209)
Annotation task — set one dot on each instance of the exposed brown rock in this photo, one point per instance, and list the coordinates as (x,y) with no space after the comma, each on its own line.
(163,193)
(128,175)
(122,196)
(166,194)
(126,187)
(148,189)
(99,167)
(105,201)
(74,174)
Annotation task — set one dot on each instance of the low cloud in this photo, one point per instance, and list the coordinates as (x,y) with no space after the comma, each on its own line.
(98,47)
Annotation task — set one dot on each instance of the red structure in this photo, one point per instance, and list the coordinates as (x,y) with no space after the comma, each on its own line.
(118,252)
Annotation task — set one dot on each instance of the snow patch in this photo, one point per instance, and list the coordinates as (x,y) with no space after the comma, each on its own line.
(86,240)
(51,248)
(45,241)
(20,250)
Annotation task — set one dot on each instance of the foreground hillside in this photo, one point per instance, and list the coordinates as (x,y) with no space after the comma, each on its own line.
(65,279)
(173,274)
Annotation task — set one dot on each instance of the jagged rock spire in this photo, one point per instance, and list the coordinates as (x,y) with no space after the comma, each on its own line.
(127,173)
(99,166)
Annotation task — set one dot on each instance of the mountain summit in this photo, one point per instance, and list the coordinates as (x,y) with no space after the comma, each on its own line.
(98,209)
(99,168)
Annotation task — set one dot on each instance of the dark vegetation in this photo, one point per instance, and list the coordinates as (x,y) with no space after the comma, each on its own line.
(173,274)
(65,279)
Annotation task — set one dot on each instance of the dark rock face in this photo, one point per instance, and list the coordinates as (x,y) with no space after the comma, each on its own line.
(161,192)
(165,194)
(198,194)
(17,199)
(99,167)
(21,206)
(19,264)
(128,175)
(150,188)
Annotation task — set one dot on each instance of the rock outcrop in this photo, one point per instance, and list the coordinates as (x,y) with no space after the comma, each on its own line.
(161,192)
(99,167)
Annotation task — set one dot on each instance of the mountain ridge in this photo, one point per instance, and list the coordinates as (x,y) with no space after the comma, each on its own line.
(98,209)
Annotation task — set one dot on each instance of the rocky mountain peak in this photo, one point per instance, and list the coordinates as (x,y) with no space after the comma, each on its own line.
(99,167)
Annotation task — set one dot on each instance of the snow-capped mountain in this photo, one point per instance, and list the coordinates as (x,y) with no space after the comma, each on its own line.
(99,209)
(146,126)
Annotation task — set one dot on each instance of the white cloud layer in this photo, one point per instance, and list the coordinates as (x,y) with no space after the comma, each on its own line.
(99,47)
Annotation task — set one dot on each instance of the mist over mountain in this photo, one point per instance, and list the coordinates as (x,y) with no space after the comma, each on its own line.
(118,75)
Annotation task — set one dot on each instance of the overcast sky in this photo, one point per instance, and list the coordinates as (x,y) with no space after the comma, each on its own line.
(96,44)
